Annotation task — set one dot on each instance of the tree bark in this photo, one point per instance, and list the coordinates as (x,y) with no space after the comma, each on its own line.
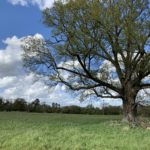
(129,111)
(129,104)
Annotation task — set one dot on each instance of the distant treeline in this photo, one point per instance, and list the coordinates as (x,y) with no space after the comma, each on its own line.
(20,104)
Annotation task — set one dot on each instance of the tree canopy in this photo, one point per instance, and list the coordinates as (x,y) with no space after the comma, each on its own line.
(97,46)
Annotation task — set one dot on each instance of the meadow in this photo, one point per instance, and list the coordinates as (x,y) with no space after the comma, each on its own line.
(41,131)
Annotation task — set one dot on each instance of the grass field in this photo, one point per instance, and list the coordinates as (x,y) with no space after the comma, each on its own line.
(33,131)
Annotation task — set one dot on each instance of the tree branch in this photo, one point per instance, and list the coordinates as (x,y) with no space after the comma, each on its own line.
(145,86)
(102,96)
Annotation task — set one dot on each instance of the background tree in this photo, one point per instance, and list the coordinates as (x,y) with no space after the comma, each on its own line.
(19,104)
(1,104)
(99,46)
(8,105)
(35,105)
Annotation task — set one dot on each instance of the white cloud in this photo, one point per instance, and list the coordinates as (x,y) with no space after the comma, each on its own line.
(7,81)
(21,2)
(14,82)
(42,4)
(10,58)
(39,36)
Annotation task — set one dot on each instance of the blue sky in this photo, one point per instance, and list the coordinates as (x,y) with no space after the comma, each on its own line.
(21,18)
(20,21)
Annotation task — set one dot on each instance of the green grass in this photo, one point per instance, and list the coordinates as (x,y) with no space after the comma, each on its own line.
(33,131)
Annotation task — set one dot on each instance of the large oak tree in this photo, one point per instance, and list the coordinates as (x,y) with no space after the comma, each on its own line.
(101,46)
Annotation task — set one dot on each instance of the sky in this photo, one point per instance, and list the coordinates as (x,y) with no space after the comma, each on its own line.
(19,19)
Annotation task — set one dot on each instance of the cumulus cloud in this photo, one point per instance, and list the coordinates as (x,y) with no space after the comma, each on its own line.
(14,82)
(5,82)
(10,58)
(42,4)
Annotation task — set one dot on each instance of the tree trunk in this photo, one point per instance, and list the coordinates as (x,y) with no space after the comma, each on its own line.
(129,112)
(129,104)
